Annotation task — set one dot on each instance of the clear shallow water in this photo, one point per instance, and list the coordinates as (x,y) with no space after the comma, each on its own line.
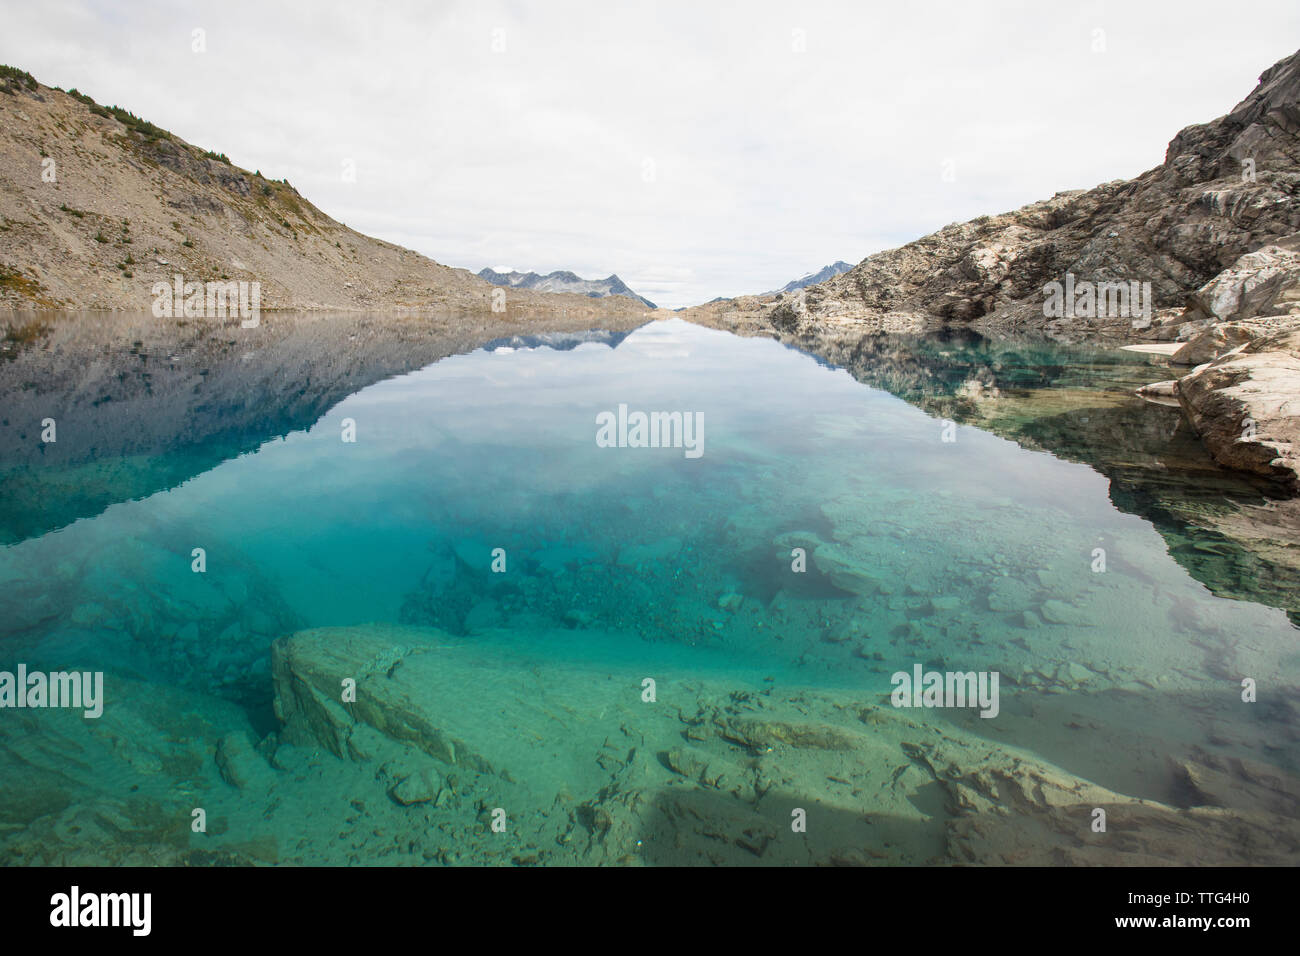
(968,554)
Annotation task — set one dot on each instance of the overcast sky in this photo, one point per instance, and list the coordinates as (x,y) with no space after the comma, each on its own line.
(697,148)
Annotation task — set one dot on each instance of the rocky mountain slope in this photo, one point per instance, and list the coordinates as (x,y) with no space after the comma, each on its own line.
(96,205)
(564,282)
(1226,188)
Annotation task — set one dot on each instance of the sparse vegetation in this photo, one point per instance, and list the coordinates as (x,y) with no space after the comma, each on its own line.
(293,206)
(128,119)
(136,124)
(100,237)
(219,157)
(12,280)
(12,80)
(80,214)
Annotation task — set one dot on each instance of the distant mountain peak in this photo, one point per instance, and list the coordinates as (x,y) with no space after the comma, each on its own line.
(839,267)
(564,281)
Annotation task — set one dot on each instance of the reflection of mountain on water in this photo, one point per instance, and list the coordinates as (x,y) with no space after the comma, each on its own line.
(559,341)
(143,405)
(1232,533)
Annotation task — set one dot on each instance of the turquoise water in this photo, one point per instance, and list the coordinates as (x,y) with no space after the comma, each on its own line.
(926,542)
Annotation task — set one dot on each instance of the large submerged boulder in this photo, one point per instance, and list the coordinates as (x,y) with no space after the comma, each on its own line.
(331,681)
(580,768)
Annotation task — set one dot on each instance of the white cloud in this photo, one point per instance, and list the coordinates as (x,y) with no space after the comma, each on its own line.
(686,146)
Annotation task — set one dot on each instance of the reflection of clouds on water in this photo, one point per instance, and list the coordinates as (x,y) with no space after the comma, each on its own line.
(973,555)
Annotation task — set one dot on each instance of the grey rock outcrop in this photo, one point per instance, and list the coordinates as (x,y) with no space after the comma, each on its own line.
(1243,396)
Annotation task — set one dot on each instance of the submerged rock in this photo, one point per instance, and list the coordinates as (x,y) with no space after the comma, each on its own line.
(312,670)
(842,568)
(1058,612)
(237,760)
(653,552)
(571,741)
(422,786)
(763,735)
(1010,594)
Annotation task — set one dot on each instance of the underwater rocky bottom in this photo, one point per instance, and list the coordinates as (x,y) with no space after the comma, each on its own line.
(443,624)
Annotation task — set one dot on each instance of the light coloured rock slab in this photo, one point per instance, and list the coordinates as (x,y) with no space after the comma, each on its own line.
(1154,348)
(1246,407)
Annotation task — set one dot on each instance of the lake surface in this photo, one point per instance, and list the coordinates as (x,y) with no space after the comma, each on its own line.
(815,533)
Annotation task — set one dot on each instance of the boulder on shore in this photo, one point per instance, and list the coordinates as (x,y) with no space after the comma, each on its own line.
(1246,406)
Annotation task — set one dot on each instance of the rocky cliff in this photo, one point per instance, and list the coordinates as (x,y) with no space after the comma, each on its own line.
(1225,189)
